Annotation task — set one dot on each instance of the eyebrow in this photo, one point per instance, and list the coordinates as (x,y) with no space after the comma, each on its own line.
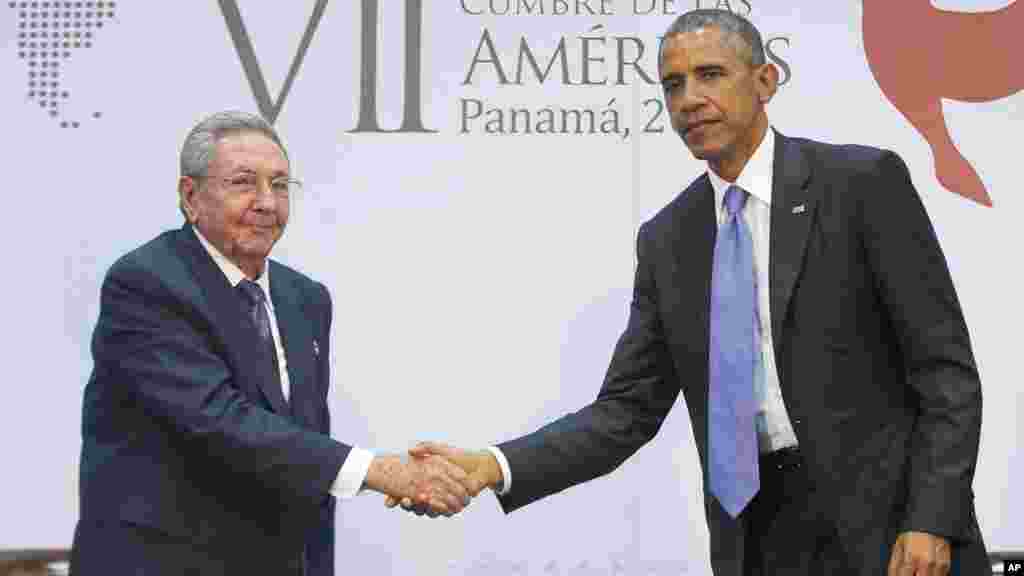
(673,76)
(709,67)
(700,68)
(247,170)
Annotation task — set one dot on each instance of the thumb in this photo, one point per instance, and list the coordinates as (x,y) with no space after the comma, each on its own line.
(895,560)
(428,448)
(479,482)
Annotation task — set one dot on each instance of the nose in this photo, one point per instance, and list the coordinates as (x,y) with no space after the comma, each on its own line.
(266,200)
(690,97)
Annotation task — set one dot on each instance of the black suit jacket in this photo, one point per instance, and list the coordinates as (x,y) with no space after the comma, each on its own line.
(874,358)
(191,460)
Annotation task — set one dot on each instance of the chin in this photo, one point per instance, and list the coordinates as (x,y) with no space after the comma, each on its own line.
(704,152)
(699,153)
(258,247)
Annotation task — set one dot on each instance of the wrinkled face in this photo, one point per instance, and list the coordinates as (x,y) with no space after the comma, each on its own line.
(235,206)
(714,96)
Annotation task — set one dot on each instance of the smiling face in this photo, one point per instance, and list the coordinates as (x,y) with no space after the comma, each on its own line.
(233,206)
(715,97)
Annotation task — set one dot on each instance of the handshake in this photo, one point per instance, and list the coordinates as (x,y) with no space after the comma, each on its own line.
(435,479)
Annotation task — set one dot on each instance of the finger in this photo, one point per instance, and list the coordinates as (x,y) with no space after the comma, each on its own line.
(427,448)
(423,449)
(469,483)
(922,556)
(932,565)
(455,494)
(925,567)
(452,503)
(437,506)
(476,484)
(390,502)
(906,565)
(421,499)
(895,559)
(473,483)
(443,477)
(408,506)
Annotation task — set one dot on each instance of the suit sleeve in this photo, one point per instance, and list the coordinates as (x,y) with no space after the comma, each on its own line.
(914,283)
(638,391)
(163,357)
(320,545)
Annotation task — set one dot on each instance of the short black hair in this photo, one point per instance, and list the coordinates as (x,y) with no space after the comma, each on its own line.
(738,30)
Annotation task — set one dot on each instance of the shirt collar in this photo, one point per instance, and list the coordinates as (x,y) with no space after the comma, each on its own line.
(755,177)
(231,270)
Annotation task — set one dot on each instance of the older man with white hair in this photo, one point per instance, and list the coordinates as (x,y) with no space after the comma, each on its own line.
(206,434)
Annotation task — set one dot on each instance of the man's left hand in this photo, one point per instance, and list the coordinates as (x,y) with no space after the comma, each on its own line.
(920,554)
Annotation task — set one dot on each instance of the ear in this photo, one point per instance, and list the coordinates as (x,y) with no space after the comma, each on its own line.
(188,190)
(766,78)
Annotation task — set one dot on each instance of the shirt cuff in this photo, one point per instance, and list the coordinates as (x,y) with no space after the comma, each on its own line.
(352,475)
(506,473)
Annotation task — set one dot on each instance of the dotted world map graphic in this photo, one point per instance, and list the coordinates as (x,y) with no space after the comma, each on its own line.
(49,33)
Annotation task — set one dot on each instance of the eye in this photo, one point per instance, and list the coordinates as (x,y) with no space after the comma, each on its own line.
(281,187)
(710,74)
(242,180)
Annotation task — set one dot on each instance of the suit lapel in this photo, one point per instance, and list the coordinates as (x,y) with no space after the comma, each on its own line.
(246,353)
(297,340)
(695,229)
(791,215)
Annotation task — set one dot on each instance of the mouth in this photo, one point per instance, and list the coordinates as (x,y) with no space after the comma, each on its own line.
(263,228)
(697,126)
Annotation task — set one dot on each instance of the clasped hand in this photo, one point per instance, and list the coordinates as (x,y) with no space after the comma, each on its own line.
(455,473)
(427,482)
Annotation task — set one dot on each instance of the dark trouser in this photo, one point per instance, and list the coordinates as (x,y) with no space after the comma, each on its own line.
(788,533)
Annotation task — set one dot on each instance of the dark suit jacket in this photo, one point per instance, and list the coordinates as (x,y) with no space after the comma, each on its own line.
(874,358)
(191,460)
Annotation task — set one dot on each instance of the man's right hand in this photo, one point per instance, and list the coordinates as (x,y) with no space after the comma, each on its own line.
(481,468)
(428,481)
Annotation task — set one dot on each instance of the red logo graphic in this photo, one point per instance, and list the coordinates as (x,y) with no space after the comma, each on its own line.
(920,54)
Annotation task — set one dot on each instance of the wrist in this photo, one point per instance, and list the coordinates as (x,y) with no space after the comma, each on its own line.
(491,470)
(384,474)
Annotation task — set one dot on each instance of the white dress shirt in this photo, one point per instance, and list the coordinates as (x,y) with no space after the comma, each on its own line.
(774,429)
(353,472)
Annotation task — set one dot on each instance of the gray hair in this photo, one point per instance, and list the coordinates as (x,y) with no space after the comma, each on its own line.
(738,31)
(201,142)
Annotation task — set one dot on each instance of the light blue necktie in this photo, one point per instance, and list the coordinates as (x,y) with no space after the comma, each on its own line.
(732,437)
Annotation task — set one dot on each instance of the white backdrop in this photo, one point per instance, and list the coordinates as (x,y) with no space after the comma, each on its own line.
(479,280)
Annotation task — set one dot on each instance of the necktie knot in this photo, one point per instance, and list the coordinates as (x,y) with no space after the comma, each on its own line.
(252,291)
(735,198)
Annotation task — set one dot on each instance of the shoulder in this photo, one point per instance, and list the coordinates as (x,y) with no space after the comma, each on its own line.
(695,201)
(310,289)
(858,179)
(152,264)
(832,157)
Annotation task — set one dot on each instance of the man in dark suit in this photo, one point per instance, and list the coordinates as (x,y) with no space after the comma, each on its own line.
(206,435)
(797,295)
